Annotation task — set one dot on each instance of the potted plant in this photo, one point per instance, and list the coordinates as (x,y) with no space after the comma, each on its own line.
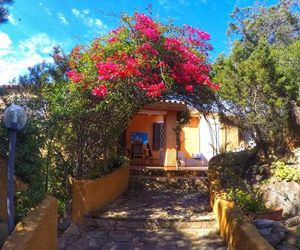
(270,214)
(253,205)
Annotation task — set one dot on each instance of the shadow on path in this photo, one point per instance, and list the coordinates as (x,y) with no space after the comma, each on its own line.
(148,219)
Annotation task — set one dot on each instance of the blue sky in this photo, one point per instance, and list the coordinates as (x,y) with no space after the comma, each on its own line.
(35,26)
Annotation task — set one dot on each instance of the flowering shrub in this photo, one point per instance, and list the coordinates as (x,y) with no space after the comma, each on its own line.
(146,55)
(112,78)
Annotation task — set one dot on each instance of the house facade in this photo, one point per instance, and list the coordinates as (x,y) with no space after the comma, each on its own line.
(200,139)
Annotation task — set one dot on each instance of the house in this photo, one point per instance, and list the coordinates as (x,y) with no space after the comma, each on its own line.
(153,128)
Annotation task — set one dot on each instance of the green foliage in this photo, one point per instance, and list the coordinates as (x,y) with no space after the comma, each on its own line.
(298,237)
(248,202)
(285,173)
(27,200)
(29,165)
(278,24)
(4,10)
(257,94)
(288,62)
(260,78)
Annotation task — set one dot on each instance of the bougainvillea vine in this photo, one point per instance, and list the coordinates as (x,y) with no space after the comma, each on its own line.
(146,54)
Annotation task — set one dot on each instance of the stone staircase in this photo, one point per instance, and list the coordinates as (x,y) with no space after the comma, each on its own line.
(174,179)
(160,210)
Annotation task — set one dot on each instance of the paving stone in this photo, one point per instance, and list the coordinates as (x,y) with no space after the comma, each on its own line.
(61,243)
(96,243)
(121,236)
(73,229)
(96,234)
(80,244)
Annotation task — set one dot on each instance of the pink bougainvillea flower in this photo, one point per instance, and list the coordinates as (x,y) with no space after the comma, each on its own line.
(107,70)
(189,88)
(146,26)
(143,53)
(74,76)
(100,91)
(112,39)
(147,48)
(196,32)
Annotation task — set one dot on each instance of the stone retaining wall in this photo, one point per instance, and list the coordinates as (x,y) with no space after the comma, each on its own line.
(90,195)
(38,230)
(234,226)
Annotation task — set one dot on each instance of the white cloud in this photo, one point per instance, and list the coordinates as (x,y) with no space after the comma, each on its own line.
(76,12)
(62,18)
(24,54)
(12,20)
(39,43)
(5,41)
(88,20)
(86,11)
(48,12)
(46,9)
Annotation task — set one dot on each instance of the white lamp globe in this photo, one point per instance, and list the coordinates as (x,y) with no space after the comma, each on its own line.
(15,117)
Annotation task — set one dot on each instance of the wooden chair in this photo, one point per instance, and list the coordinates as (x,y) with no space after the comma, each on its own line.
(149,155)
(137,151)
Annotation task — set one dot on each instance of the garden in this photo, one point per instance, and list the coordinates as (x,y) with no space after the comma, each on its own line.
(80,105)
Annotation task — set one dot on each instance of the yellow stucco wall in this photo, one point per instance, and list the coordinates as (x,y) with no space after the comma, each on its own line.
(170,139)
(234,226)
(38,230)
(90,195)
(189,137)
(144,123)
(229,138)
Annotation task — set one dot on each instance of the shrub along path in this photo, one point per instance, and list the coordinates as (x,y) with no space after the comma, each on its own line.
(153,218)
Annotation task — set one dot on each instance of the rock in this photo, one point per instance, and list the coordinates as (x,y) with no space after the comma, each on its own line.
(273,231)
(282,194)
(294,221)
(294,157)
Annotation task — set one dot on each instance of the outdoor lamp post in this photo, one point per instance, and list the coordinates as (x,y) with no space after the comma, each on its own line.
(14,119)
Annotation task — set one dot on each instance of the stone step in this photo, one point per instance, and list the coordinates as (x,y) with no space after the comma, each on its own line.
(154,182)
(149,224)
(166,173)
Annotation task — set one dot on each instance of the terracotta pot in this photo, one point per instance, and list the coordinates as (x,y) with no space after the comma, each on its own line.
(275,214)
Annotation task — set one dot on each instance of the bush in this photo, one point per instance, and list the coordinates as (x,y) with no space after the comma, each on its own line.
(283,172)
(247,201)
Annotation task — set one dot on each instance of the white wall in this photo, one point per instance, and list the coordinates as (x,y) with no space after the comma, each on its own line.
(209,137)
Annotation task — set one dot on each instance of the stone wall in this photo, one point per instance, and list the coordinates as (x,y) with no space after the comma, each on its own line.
(90,195)
(234,227)
(38,230)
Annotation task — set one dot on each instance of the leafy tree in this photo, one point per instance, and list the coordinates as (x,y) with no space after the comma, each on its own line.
(260,78)
(257,94)
(278,24)
(3,10)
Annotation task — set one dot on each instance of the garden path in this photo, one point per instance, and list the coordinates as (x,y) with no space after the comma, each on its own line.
(148,219)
